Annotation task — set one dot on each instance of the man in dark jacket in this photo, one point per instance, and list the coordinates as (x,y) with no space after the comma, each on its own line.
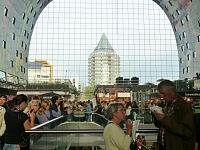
(176,122)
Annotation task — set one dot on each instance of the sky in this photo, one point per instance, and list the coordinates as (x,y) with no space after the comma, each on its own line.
(67,32)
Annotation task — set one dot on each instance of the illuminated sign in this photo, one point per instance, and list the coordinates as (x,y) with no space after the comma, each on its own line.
(124,94)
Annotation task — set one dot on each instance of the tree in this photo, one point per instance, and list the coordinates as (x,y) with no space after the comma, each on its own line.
(89,91)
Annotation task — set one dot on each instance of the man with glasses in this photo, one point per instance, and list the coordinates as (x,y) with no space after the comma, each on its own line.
(114,136)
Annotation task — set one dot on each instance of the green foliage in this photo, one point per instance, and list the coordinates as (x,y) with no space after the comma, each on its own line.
(89,91)
(56,85)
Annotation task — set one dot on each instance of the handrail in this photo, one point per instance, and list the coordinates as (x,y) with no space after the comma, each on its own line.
(79,131)
(75,131)
(99,115)
(53,120)
(47,129)
(142,130)
(43,124)
(93,113)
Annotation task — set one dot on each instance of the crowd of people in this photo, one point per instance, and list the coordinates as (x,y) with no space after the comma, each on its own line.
(175,121)
(22,113)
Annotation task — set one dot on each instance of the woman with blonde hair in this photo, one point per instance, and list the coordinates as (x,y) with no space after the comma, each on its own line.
(33,107)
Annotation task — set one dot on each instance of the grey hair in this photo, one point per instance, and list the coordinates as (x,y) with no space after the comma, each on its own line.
(113,108)
(167,83)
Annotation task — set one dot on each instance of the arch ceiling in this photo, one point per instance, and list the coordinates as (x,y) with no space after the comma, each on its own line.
(184,16)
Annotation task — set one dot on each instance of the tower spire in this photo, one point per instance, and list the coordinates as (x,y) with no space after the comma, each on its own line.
(104,43)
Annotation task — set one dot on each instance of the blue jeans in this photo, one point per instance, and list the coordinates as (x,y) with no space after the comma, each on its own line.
(11,147)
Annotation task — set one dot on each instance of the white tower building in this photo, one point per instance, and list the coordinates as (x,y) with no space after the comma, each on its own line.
(104,64)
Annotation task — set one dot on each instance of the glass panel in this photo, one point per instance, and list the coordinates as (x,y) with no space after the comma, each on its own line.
(67,132)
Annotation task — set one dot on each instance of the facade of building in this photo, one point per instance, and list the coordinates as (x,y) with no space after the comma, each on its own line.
(18,18)
(185,21)
(76,83)
(39,72)
(110,93)
(16,27)
(104,64)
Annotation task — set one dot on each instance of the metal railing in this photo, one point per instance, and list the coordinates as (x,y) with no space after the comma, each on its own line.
(60,134)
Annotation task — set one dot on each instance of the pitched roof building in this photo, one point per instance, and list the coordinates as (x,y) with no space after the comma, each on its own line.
(104,64)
